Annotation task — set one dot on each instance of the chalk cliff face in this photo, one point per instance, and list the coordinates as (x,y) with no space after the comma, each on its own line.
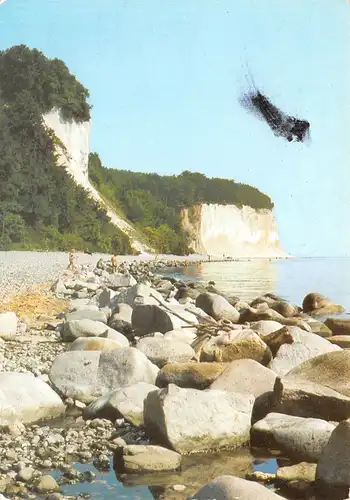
(74,157)
(227,230)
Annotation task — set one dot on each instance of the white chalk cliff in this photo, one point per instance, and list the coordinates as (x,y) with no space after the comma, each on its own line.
(219,230)
(74,157)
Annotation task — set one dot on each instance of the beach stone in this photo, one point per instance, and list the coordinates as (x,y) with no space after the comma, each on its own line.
(330,370)
(82,328)
(285,308)
(25,474)
(97,344)
(305,346)
(126,402)
(118,280)
(264,327)
(333,468)
(278,338)
(261,312)
(217,307)
(298,438)
(232,488)
(153,318)
(161,351)
(180,336)
(148,458)
(302,398)
(46,483)
(87,313)
(85,285)
(303,472)
(86,375)
(189,420)
(105,298)
(74,375)
(342,341)
(189,375)
(318,327)
(338,326)
(27,399)
(8,324)
(236,344)
(319,305)
(140,294)
(246,376)
(121,317)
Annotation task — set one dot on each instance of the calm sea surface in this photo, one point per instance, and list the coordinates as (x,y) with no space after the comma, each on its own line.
(291,279)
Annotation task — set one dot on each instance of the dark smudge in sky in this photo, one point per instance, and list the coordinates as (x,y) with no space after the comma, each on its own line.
(282,125)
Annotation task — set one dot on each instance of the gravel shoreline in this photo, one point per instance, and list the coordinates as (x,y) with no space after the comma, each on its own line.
(20,270)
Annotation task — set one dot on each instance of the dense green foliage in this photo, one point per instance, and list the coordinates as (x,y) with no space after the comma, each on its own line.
(40,206)
(154,202)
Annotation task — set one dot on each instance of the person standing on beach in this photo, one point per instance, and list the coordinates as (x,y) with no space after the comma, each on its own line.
(71,260)
(114,263)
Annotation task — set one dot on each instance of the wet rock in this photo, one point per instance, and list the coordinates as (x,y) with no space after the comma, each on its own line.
(191,421)
(189,375)
(298,438)
(26,399)
(126,402)
(217,307)
(46,483)
(230,488)
(147,458)
(319,305)
(160,350)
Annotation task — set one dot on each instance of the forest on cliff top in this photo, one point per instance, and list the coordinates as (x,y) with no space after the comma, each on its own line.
(40,205)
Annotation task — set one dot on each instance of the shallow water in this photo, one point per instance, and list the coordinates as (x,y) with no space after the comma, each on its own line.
(291,279)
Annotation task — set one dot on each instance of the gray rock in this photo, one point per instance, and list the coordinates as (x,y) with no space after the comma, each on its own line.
(8,324)
(181,336)
(118,280)
(87,313)
(330,370)
(189,375)
(46,483)
(74,375)
(27,399)
(217,307)
(302,398)
(264,327)
(301,439)
(154,318)
(73,329)
(86,375)
(233,488)
(317,304)
(333,468)
(126,402)
(160,350)
(306,346)
(189,420)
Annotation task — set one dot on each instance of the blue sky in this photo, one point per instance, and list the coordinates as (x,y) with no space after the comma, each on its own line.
(165,77)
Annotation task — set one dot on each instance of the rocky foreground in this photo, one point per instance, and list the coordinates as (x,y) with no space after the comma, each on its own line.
(149,372)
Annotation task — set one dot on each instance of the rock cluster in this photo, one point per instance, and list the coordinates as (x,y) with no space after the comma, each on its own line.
(149,370)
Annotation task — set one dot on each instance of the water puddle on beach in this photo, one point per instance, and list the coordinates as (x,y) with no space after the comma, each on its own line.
(196,471)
